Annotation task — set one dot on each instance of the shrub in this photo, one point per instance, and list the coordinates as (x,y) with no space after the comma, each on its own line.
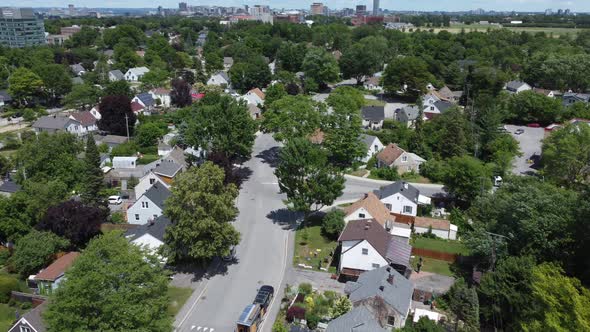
(279,327)
(295,312)
(433,169)
(333,223)
(117,217)
(305,289)
(312,320)
(7,285)
(4,255)
(389,174)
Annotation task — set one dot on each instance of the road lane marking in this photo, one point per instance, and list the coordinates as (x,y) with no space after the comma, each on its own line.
(281,281)
(273,183)
(193,307)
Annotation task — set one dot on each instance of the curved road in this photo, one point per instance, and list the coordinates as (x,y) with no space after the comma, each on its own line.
(265,250)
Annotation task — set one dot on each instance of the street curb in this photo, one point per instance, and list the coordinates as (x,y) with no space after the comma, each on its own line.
(352,177)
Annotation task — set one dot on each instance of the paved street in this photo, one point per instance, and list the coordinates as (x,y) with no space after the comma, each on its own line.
(530,146)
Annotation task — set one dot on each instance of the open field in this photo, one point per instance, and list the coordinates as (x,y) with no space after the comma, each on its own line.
(557,32)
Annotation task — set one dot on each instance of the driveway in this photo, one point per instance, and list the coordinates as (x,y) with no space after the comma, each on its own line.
(530,142)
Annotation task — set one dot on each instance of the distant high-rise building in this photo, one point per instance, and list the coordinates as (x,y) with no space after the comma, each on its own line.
(548,11)
(317,8)
(361,10)
(183,7)
(375,7)
(20,27)
(71,10)
(567,12)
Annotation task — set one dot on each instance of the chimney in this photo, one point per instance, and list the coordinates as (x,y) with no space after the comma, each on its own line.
(151,222)
(388,269)
(366,195)
(381,288)
(390,279)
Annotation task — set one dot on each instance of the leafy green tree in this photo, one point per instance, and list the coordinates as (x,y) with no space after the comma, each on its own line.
(56,80)
(464,305)
(409,75)
(364,58)
(36,250)
(292,116)
(23,85)
(148,134)
(201,208)
(451,127)
(118,88)
(320,66)
(130,34)
(82,96)
(424,324)
(306,177)
(467,177)
(333,223)
(125,57)
(5,165)
(246,75)
(529,106)
(154,78)
(566,155)
(86,37)
(113,285)
(290,56)
(274,93)
(93,180)
(213,62)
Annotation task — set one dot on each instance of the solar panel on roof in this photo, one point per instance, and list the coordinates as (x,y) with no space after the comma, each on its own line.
(246,314)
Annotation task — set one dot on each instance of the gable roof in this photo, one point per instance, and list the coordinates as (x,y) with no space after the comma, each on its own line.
(117,74)
(53,122)
(138,71)
(369,230)
(374,206)
(146,98)
(161,91)
(390,153)
(443,105)
(258,92)
(410,113)
(157,229)
(223,75)
(373,113)
(368,140)
(85,118)
(167,169)
(34,318)
(77,68)
(544,92)
(177,155)
(110,139)
(399,251)
(9,186)
(402,187)
(514,85)
(157,194)
(136,107)
(397,293)
(578,96)
(359,319)
(446,92)
(58,267)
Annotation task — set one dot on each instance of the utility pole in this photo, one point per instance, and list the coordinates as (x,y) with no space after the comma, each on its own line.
(127,126)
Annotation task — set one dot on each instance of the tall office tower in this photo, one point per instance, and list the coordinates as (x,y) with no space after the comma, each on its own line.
(317,8)
(375,7)
(182,7)
(19,27)
(361,10)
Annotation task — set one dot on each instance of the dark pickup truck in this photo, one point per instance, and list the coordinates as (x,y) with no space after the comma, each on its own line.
(264,297)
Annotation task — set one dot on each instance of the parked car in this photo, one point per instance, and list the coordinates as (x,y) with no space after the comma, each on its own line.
(264,297)
(115,200)
(519,131)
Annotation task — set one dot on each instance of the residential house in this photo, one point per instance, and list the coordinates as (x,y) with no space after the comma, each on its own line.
(228,62)
(88,122)
(110,140)
(439,227)
(384,292)
(8,187)
(360,318)
(369,207)
(5,98)
(96,112)
(149,206)
(255,111)
(48,279)
(254,97)
(135,74)
(401,198)
(373,83)
(430,98)
(146,182)
(220,78)
(116,75)
(150,235)
(407,115)
(163,148)
(373,117)
(146,100)
(178,156)
(32,321)
(137,108)
(437,108)
(53,123)
(569,98)
(372,144)
(366,245)
(545,92)
(78,70)
(163,95)
(394,156)
(167,170)
(124,162)
(449,95)
(514,87)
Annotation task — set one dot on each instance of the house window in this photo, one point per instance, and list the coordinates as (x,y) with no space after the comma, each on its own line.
(145,205)
(361,215)
(155,216)
(137,217)
(152,181)
(432,108)
(25,329)
(376,147)
(404,159)
(365,251)
(407,209)
(375,266)
(390,320)
(388,206)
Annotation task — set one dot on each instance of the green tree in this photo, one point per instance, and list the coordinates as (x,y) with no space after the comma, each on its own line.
(409,75)
(292,116)
(306,177)
(424,324)
(529,106)
(333,223)
(82,96)
(118,88)
(56,80)
(451,127)
(290,56)
(36,250)
(154,78)
(320,66)
(274,92)
(148,134)
(566,155)
(364,58)
(464,305)
(112,286)
(467,178)
(246,75)
(93,180)
(201,208)
(23,85)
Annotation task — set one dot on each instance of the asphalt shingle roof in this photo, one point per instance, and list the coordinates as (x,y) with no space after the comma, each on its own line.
(52,122)
(158,194)
(359,319)
(373,113)
(156,229)
(168,169)
(117,74)
(146,98)
(410,192)
(368,140)
(443,105)
(369,230)
(9,186)
(514,85)
(34,318)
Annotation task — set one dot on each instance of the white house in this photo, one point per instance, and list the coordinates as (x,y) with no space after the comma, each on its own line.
(517,87)
(116,75)
(96,113)
(88,122)
(401,198)
(373,117)
(438,107)
(228,62)
(163,149)
(150,235)
(163,95)
(135,74)
(146,182)
(254,97)
(220,78)
(124,162)
(55,123)
(373,145)
(149,206)
(369,207)
(373,83)
(439,227)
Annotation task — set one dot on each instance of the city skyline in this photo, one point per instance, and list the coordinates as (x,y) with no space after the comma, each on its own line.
(425,5)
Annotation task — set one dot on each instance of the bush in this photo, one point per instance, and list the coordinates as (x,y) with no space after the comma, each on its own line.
(333,223)
(372,162)
(433,169)
(295,312)
(279,327)
(7,285)
(305,289)
(312,320)
(4,255)
(389,174)
(117,217)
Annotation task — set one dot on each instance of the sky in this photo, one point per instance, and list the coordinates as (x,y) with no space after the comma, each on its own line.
(420,5)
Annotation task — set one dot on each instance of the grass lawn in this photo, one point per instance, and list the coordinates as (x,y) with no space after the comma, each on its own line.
(434,266)
(417,178)
(359,172)
(448,246)
(178,296)
(374,102)
(148,158)
(557,32)
(7,316)
(315,250)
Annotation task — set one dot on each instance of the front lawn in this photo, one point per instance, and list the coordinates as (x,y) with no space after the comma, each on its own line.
(313,248)
(374,102)
(434,266)
(448,246)
(148,158)
(178,296)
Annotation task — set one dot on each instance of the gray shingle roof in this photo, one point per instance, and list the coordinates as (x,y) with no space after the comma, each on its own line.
(443,105)
(359,319)
(368,140)
(406,189)
(167,168)
(53,122)
(408,113)
(397,293)
(514,85)
(34,318)
(146,99)
(77,68)
(399,251)
(373,113)
(117,74)
(158,194)
(368,230)
(157,229)
(9,186)
(577,96)
(223,75)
